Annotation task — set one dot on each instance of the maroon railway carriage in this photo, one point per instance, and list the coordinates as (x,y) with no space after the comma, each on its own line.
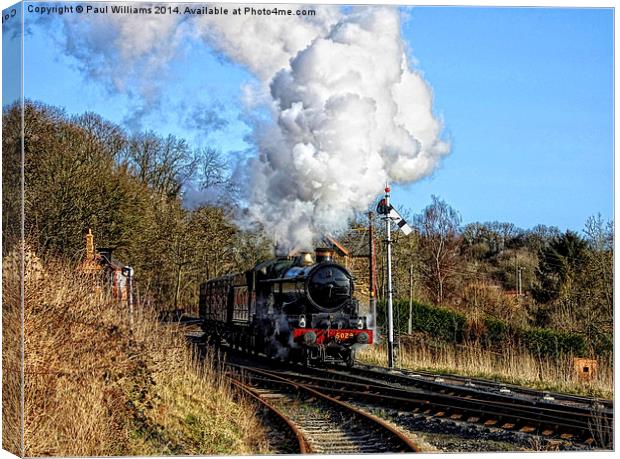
(289,308)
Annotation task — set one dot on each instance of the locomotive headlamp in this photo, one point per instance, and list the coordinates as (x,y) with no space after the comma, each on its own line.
(363,338)
(310,338)
(302,321)
(360,324)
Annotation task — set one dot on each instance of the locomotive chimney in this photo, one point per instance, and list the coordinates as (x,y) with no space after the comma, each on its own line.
(323,254)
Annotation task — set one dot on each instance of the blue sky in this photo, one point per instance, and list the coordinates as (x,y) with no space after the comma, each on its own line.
(526,97)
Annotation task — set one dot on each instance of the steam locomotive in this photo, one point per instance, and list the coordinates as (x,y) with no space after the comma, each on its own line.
(290,308)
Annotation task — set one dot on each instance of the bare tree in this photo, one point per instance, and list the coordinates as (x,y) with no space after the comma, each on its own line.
(439,247)
(164,164)
(594,287)
(212,167)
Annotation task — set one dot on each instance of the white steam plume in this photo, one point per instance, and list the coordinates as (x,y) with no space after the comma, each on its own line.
(126,53)
(348,113)
(265,44)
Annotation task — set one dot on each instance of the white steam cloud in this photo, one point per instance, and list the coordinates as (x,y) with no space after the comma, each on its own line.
(125,53)
(265,44)
(348,113)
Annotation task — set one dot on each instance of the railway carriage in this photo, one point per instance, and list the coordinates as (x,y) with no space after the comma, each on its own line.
(291,308)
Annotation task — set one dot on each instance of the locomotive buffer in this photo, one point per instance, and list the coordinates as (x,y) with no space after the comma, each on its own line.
(390,214)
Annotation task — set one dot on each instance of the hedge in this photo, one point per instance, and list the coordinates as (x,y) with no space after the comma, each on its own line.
(545,341)
(497,332)
(451,326)
(443,323)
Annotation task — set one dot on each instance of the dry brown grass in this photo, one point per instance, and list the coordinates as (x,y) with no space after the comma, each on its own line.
(11,356)
(94,387)
(512,366)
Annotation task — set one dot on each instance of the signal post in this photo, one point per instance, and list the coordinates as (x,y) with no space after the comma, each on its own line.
(388,230)
(389,213)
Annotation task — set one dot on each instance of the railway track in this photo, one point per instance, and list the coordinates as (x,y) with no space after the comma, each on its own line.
(436,381)
(322,423)
(406,378)
(294,441)
(478,402)
(544,418)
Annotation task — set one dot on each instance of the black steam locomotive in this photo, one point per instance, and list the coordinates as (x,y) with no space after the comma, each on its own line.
(291,308)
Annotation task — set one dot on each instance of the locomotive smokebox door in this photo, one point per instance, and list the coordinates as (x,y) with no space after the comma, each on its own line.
(329,287)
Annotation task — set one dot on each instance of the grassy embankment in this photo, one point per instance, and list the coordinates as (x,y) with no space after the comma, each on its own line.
(511,365)
(93,387)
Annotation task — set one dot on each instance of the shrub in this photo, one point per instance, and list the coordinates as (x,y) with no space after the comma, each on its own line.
(443,323)
(545,341)
(450,326)
(497,332)
(603,343)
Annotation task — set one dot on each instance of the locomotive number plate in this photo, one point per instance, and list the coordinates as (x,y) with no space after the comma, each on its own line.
(342,335)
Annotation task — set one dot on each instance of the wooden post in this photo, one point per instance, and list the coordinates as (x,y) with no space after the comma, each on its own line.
(410,323)
(127,271)
(90,246)
(371,274)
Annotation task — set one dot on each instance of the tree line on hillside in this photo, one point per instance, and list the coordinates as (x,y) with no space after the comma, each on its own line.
(541,277)
(84,172)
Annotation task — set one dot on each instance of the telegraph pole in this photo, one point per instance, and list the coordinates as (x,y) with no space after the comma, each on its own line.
(371,257)
(410,323)
(517,279)
(390,312)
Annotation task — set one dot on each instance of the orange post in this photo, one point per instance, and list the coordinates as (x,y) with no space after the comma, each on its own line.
(585,368)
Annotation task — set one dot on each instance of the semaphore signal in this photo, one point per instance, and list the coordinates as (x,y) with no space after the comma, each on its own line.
(390,214)
(386,209)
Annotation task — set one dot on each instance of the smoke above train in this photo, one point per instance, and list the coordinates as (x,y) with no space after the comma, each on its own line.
(349,115)
(346,110)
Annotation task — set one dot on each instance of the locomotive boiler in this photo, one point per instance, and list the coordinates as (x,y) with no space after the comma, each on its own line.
(291,308)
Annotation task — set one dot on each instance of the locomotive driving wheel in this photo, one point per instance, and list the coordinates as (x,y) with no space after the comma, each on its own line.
(349,358)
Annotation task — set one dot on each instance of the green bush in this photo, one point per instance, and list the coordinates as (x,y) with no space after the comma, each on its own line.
(603,343)
(497,332)
(450,326)
(442,323)
(545,341)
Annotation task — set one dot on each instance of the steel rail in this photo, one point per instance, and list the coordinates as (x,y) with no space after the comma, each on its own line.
(516,413)
(480,383)
(302,441)
(468,391)
(382,394)
(404,444)
(584,422)
(441,381)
